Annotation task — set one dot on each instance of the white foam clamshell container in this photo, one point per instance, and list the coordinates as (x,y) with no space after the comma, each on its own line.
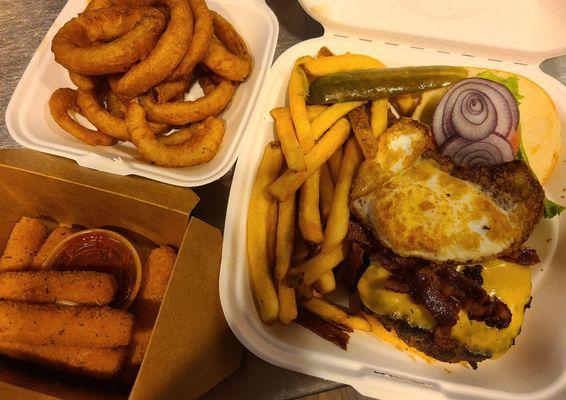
(30,124)
(500,34)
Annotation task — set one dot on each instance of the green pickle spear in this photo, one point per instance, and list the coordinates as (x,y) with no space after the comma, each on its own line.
(371,84)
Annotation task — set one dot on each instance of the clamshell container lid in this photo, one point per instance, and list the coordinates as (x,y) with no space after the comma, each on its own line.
(528,31)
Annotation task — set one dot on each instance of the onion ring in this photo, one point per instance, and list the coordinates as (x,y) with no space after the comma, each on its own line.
(105,121)
(180,136)
(118,108)
(165,56)
(224,63)
(169,90)
(115,105)
(98,4)
(201,39)
(206,83)
(185,112)
(202,146)
(83,82)
(101,118)
(227,54)
(61,102)
(131,34)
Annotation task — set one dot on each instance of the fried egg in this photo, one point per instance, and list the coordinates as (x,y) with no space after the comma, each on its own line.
(419,207)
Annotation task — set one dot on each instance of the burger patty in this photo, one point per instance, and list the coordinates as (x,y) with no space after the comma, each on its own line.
(425,342)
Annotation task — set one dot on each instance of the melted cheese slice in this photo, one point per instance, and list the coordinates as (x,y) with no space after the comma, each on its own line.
(509,282)
(425,212)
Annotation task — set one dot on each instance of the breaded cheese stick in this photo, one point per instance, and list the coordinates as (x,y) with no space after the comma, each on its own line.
(90,361)
(156,273)
(83,326)
(155,277)
(54,238)
(83,287)
(22,246)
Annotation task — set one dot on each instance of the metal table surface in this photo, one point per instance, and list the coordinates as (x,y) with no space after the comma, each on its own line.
(22,26)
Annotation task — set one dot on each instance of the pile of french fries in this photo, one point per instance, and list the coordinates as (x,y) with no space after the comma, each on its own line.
(299,207)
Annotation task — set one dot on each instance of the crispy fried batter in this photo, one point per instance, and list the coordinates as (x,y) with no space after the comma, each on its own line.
(94,362)
(83,287)
(64,325)
(164,57)
(156,273)
(24,243)
(128,35)
(54,238)
(200,148)
(64,100)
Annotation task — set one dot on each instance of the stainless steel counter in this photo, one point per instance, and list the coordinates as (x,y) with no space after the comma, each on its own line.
(22,26)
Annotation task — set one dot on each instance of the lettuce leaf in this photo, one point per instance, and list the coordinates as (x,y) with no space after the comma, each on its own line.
(552,209)
(511,83)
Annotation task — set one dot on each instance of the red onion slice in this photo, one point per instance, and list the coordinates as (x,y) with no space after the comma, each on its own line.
(490,151)
(476,110)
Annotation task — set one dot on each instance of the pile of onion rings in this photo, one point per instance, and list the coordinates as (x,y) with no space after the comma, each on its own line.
(133,62)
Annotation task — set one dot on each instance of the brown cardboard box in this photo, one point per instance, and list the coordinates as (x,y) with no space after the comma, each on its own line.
(191,348)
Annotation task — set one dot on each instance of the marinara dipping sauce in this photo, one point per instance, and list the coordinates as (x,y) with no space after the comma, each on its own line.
(103,251)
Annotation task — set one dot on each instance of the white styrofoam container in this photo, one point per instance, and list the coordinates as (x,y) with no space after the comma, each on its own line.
(535,368)
(30,124)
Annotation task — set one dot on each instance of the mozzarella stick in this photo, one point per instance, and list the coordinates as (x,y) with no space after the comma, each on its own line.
(155,277)
(83,287)
(24,243)
(54,238)
(84,326)
(94,362)
(156,272)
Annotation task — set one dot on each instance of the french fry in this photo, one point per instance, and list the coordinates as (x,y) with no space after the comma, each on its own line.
(337,224)
(272,232)
(309,209)
(298,88)
(313,111)
(379,119)
(342,63)
(311,270)
(285,238)
(326,192)
(362,130)
(357,323)
(287,303)
(324,52)
(405,104)
(300,248)
(290,181)
(334,163)
(325,310)
(259,229)
(326,283)
(303,291)
(326,119)
(326,330)
(332,114)
(291,147)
